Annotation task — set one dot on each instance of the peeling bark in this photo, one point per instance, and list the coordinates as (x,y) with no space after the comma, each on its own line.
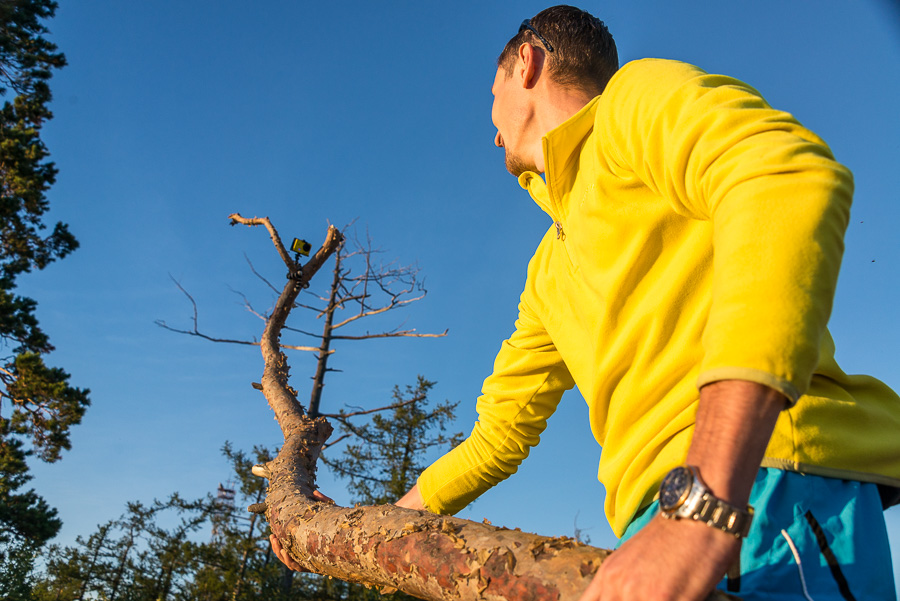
(430,556)
(436,557)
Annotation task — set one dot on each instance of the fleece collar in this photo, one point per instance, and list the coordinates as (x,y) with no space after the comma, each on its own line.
(561,147)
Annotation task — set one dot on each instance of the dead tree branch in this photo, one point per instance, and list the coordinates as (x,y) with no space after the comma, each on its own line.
(276,239)
(397,334)
(331,443)
(260,276)
(288,412)
(343,415)
(194,319)
(426,555)
(195,330)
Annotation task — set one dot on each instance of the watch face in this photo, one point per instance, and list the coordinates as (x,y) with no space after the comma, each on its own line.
(675,488)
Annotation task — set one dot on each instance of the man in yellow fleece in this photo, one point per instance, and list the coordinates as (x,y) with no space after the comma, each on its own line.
(685,286)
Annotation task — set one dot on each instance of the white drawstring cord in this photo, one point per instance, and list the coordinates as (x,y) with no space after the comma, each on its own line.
(799,564)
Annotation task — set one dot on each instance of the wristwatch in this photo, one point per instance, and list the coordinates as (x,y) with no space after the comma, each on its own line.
(683,495)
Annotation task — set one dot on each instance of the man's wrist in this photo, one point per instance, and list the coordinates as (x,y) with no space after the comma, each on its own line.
(684,495)
(412,499)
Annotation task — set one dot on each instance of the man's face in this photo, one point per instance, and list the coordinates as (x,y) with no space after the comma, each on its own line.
(507,114)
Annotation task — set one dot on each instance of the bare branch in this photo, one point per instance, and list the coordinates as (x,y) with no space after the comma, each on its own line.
(340,416)
(291,347)
(310,307)
(400,334)
(276,239)
(247,305)
(199,334)
(312,349)
(394,304)
(260,276)
(190,298)
(304,332)
(318,296)
(335,441)
(196,331)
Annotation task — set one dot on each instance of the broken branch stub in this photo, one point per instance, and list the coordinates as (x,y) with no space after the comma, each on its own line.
(430,556)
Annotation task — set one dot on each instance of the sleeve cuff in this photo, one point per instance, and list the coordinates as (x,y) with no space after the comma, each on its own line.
(765,378)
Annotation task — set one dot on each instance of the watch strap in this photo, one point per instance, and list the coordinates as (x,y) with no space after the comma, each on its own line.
(699,504)
(723,516)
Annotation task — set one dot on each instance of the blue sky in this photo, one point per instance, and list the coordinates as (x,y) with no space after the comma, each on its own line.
(171,115)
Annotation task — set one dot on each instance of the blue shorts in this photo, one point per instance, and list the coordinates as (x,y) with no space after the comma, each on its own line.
(834,543)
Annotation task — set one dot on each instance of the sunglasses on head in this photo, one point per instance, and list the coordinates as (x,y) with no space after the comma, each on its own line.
(526,24)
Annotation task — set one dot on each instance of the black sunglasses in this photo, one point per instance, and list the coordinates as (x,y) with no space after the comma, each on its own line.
(526,24)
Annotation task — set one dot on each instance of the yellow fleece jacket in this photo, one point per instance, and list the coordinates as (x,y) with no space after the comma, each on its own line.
(697,237)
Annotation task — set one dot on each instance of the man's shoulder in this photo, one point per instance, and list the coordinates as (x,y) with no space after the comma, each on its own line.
(644,88)
(657,72)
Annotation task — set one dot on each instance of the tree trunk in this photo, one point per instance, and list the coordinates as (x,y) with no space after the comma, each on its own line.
(245,556)
(287,581)
(90,570)
(322,363)
(167,581)
(429,556)
(120,570)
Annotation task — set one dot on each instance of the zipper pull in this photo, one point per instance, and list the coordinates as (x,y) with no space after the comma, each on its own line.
(560,234)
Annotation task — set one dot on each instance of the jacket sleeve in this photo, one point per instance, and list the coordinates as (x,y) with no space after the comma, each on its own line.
(778,201)
(523,391)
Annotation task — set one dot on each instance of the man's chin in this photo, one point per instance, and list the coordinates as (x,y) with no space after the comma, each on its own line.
(517,166)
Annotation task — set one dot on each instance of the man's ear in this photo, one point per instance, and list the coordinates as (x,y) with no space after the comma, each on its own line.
(529,65)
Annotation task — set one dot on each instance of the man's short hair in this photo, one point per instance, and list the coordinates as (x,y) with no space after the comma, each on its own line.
(584,53)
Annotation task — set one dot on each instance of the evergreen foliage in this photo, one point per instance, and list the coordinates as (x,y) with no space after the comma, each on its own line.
(37,404)
(392,449)
(238,563)
(25,518)
(133,557)
(16,566)
(217,551)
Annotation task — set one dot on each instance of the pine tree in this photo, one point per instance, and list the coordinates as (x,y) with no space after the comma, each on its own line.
(132,558)
(237,564)
(37,403)
(16,568)
(390,451)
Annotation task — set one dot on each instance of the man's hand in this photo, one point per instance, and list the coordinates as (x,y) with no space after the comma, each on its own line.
(412,499)
(668,560)
(280,552)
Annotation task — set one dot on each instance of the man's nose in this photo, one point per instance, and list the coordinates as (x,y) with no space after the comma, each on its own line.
(498,141)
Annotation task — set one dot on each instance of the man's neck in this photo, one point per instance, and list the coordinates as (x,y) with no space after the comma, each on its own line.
(555,105)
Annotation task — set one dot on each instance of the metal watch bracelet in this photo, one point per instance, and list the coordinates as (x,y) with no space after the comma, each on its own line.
(696,502)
